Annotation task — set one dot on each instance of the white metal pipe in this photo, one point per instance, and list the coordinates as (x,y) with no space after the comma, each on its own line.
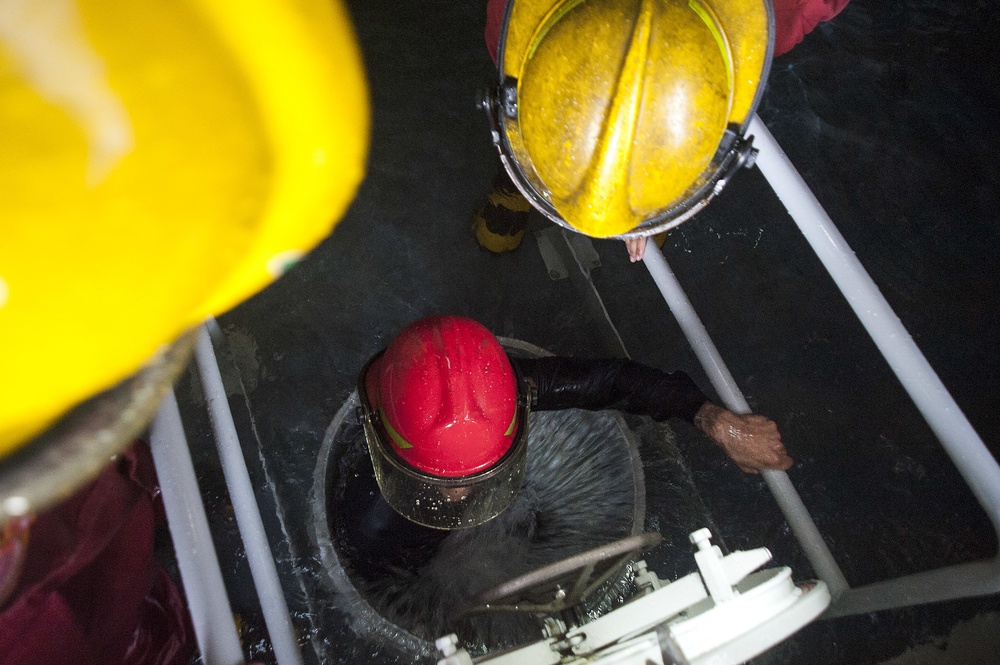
(976,578)
(258,550)
(945,418)
(204,589)
(781,487)
(963,445)
(697,336)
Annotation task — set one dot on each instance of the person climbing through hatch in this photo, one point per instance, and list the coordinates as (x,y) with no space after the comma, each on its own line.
(624,119)
(446,414)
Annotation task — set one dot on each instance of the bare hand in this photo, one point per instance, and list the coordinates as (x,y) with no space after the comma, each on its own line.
(636,248)
(751,441)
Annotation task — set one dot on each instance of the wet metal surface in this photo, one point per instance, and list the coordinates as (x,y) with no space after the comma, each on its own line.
(889,114)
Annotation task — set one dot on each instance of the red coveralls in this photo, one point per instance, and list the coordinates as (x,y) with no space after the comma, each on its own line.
(91,591)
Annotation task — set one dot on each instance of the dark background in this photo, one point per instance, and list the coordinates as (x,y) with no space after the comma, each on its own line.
(890,114)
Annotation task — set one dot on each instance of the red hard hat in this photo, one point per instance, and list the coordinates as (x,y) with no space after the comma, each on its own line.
(447,396)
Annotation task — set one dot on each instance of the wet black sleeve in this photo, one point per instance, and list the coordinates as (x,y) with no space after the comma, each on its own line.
(610,383)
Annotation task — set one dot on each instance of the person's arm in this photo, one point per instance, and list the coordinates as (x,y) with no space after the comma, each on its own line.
(751,441)
(610,383)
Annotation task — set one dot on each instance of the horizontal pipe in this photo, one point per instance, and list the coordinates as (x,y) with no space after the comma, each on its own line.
(977,578)
(258,549)
(204,589)
(788,499)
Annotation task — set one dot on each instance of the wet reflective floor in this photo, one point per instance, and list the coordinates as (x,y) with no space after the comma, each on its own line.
(888,112)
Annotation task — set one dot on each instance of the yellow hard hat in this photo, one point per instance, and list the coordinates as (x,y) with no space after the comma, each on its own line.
(160,162)
(624,117)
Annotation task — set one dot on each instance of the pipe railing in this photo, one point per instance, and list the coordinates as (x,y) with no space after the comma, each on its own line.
(248,519)
(960,441)
(204,589)
(199,567)
(722,380)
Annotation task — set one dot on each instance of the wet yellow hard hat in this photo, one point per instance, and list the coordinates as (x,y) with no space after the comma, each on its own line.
(624,117)
(160,161)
